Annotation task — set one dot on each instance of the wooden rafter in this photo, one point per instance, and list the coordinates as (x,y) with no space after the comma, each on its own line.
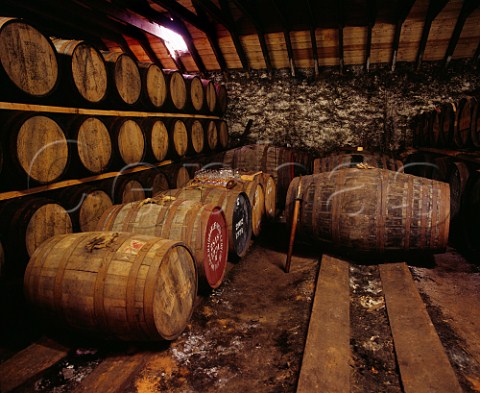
(402,12)
(191,47)
(313,37)
(468,7)
(247,10)
(286,35)
(180,11)
(341,25)
(145,44)
(372,15)
(476,56)
(434,8)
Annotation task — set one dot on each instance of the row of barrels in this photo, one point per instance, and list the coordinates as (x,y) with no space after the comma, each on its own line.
(351,159)
(449,125)
(40,149)
(464,181)
(36,68)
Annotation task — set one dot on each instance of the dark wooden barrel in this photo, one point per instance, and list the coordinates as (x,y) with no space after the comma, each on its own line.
(26,223)
(469,217)
(85,204)
(2,260)
(222,99)
(436,134)
(124,78)
(84,70)
(235,205)
(373,211)
(211,134)
(178,138)
(126,189)
(447,123)
(1,157)
(154,181)
(129,140)
(210,95)
(195,93)
(441,168)
(93,147)
(177,174)
(114,285)
(156,135)
(341,160)
(201,226)
(222,128)
(459,174)
(177,90)
(154,91)
(422,129)
(475,130)
(196,133)
(419,164)
(463,124)
(28,61)
(38,151)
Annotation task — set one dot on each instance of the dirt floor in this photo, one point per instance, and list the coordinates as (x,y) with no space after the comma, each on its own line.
(249,334)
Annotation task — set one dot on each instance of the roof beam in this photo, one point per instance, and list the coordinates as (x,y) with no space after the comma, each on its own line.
(215,12)
(145,44)
(434,8)
(402,12)
(476,56)
(341,25)
(313,38)
(211,37)
(468,7)
(180,11)
(191,47)
(286,35)
(372,15)
(248,12)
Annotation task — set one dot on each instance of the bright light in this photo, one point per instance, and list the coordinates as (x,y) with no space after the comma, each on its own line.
(173,41)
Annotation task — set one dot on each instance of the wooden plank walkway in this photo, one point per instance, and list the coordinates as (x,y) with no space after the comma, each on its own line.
(423,363)
(326,360)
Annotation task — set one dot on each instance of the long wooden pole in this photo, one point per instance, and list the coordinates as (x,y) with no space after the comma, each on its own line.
(296,211)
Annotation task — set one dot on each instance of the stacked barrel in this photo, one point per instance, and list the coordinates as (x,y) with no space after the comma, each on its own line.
(88,136)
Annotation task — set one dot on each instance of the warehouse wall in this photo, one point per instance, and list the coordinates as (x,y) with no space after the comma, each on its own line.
(371,109)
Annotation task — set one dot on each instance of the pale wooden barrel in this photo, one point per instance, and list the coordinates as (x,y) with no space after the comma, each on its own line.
(212,135)
(156,134)
(93,146)
(26,223)
(196,136)
(128,140)
(38,151)
(222,128)
(114,285)
(177,90)
(154,90)
(178,138)
(28,59)
(270,191)
(346,159)
(84,68)
(195,92)
(126,189)
(235,205)
(125,78)
(222,98)
(256,195)
(85,204)
(373,211)
(210,95)
(201,226)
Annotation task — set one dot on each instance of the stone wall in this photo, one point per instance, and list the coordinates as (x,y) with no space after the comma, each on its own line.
(370,109)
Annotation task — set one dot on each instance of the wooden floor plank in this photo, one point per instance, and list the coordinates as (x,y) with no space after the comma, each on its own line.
(327,356)
(30,362)
(423,363)
(112,374)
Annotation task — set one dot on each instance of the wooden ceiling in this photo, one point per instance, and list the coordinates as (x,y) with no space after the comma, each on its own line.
(225,35)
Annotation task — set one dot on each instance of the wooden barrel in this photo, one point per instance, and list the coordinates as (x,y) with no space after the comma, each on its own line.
(126,189)
(93,148)
(447,123)
(178,138)
(154,181)
(210,95)
(422,129)
(195,92)
(38,149)
(128,140)
(373,211)
(26,223)
(85,204)
(436,134)
(222,99)
(177,174)
(212,134)
(84,70)
(154,92)
(459,174)
(28,60)
(463,123)
(114,285)
(254,190)
(441,168)
(336,161)
(125,80)
(156,135)
(201,226)
(177,90)
(222,128)
(235,205)
(270,192)
(475,130)
(196,139)
(469,218)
